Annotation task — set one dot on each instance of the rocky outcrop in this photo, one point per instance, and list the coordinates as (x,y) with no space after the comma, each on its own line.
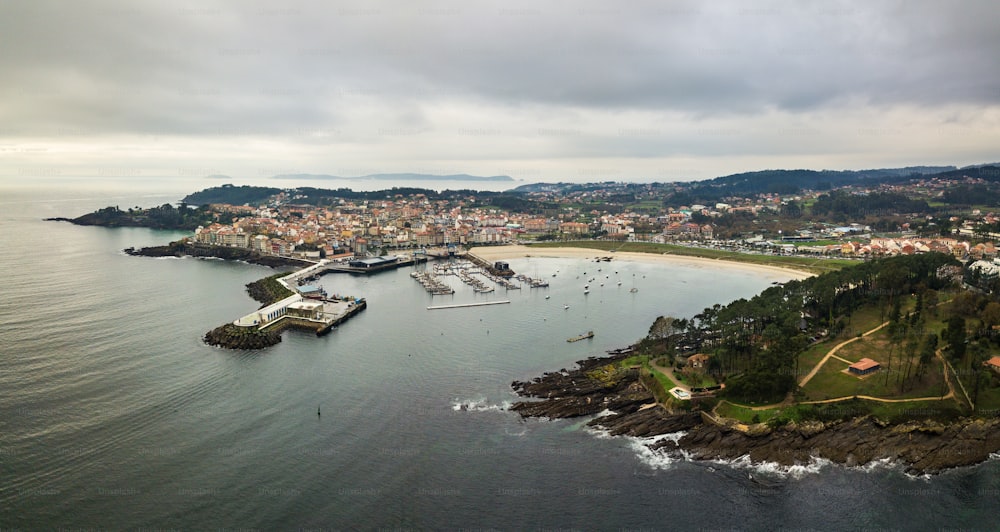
(924,446)
(180,249)
(268,290)
(233,336)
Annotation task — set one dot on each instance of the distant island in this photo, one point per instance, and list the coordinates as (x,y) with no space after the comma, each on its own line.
(398,177)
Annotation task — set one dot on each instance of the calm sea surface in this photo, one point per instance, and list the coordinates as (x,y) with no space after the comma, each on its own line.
(114,414)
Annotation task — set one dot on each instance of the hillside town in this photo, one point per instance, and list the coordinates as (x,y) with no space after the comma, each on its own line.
(285,226)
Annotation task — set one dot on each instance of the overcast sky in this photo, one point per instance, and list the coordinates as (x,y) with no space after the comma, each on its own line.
(539,90)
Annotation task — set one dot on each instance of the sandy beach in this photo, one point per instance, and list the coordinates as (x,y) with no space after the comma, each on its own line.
(492,253)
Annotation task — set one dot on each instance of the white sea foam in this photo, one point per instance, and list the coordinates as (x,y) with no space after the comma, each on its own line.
(774,469)
(599,432)
(655,459)
(658,458)
(880,464)
(479,405)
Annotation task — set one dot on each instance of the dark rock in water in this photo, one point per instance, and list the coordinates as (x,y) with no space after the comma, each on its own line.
(574,393)
(233,336)
(180,249)
(652,421)
(853,443)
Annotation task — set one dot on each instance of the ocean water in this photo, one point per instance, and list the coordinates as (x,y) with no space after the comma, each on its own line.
(114,414)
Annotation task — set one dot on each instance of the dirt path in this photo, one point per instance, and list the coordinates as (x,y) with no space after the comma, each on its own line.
(833,351)
(879,399)
(670,375)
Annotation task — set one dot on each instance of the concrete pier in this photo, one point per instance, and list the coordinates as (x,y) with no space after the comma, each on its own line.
(462,305)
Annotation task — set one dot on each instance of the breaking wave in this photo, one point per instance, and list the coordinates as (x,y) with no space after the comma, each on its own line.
(479,405)
(658,458)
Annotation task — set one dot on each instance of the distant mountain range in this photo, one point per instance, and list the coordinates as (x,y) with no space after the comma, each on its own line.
(791,181)
(398,177)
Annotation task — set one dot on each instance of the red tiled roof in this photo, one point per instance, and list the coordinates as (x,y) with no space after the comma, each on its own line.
(864,364)
(995,361)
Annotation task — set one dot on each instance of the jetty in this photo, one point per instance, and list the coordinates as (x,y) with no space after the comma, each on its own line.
(432,284)
(306,307)
(462,305)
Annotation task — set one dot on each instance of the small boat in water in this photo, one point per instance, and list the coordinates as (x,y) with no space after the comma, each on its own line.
(584,336)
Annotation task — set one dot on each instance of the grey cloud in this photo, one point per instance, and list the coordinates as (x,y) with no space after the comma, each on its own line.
(320,73)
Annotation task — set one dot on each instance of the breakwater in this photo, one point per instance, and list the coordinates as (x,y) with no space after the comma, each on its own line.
(283,307)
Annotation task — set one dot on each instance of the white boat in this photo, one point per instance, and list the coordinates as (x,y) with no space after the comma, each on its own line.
(565,307)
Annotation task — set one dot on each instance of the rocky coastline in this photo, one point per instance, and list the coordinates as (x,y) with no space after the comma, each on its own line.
(921,446)
(181,249)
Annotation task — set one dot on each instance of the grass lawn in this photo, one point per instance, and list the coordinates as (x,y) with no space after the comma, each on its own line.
(862,321)
(663,380)
(819,243)
(913,410)
(931,385)
(634,360)
(988,402)
(799,263)
(810,357)
(830,383)
(875,347)
(696,380)
(743,414)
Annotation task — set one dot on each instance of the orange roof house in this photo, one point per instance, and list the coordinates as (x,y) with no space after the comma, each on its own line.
(864,367)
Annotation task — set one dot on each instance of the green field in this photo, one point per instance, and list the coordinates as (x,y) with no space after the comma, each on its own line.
(818,243)
(744,414)
(830,383)
(811,356)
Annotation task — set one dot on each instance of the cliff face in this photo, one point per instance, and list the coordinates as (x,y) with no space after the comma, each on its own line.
(923,446)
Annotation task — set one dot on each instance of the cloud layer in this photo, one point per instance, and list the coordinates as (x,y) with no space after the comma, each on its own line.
(549,90)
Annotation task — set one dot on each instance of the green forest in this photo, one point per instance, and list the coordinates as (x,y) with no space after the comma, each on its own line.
(755,343)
